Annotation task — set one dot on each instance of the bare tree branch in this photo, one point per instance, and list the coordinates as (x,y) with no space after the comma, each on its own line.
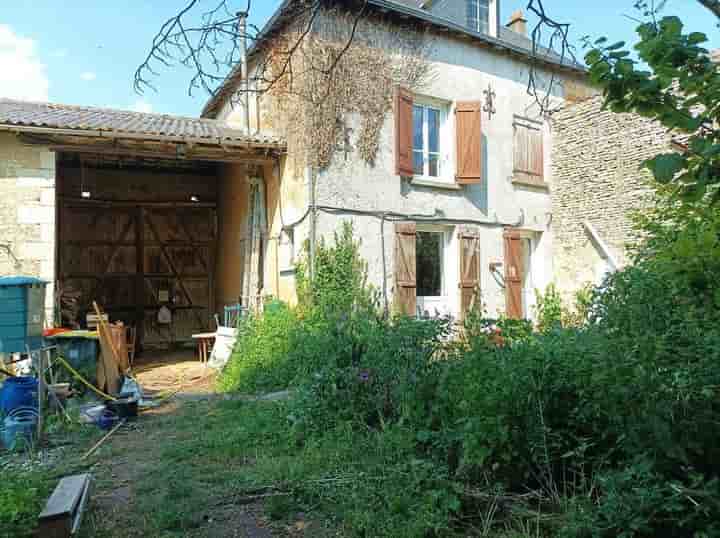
(712,5)
(208,44)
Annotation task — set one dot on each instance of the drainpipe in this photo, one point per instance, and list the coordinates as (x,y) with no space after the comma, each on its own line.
(245,83)
(310,172)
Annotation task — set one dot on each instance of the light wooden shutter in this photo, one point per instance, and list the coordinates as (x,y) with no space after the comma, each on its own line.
(405,268)
(513,275)
(403,132)
(469,270)
(469,142)
(528,152)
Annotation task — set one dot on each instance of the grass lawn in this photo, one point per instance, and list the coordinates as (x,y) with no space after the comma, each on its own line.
(222,468)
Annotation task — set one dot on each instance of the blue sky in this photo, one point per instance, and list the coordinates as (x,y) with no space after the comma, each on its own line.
(86,51)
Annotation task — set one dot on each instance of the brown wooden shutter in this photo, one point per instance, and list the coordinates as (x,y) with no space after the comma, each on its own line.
(513,275)
(469,142)
(405,268)
(469,270)
(528,151)
(403,132)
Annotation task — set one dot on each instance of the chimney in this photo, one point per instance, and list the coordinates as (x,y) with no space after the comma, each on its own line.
(518,22)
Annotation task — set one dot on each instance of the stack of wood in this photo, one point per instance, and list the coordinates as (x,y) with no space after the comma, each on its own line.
(114,359)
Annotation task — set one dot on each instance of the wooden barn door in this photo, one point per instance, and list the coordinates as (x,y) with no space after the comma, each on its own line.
(133,259)
(178,256)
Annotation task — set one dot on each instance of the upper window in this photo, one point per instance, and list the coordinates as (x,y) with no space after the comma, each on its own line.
(430,144)
(478,15)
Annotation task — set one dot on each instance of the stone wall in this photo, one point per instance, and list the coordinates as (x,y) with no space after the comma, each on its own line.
(597,179)
(27,212)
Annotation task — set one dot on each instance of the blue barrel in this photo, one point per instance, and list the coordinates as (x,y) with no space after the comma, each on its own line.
(19,427)
(22,302)
(18,392)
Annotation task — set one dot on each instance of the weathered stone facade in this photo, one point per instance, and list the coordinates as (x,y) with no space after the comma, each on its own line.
(597,179)
(27,212)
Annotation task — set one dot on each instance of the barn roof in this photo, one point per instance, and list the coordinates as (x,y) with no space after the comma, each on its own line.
(51,118)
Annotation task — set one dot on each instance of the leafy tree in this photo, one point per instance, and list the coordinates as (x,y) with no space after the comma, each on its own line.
(675,82)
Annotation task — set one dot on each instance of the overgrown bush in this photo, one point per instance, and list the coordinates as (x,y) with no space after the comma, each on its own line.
(21,497)
(260,361)
(608,415)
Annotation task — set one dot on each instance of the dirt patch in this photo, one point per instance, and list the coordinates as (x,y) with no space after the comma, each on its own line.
(163,372)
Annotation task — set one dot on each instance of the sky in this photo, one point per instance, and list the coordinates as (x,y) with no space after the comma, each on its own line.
(86,51)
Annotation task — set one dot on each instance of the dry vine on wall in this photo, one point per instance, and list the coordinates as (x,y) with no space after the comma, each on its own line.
(343,67)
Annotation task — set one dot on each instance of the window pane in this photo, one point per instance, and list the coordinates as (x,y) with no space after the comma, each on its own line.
(418,163)
(433,130)
(429,257)
(417,127)
(434,165)
(472,14)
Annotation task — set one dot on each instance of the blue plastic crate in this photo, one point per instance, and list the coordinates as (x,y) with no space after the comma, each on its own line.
(22,306)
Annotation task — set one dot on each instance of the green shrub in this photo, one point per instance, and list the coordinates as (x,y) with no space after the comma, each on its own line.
(21,498)
(260,360)
(549,309)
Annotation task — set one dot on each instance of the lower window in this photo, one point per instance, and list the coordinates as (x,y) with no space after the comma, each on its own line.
(431,273)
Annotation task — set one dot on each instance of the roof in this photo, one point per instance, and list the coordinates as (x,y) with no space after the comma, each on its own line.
(111,123)
(507,41)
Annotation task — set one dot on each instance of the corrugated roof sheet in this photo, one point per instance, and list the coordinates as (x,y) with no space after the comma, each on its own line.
(125,122)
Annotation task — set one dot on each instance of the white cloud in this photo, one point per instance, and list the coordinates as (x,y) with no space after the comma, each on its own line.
(141,105)
(88,76)
(22,75)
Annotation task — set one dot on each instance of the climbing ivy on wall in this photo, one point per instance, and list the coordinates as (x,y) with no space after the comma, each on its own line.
(337,73)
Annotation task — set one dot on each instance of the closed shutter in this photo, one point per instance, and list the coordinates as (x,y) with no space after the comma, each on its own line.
(405,268)
(469,142)
(469,270)
(528,151)
(403,132)
(513,275)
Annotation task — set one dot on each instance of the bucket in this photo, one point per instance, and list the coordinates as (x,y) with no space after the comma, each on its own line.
(125,407)
(18,392)
(107,420)
(19,427)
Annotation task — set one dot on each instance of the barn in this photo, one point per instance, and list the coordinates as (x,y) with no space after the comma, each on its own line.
(139,212)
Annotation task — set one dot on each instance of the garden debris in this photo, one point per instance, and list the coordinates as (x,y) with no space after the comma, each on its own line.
(105,438)
(63,512)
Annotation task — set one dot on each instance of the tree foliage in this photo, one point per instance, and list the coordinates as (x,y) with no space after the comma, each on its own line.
(674,81)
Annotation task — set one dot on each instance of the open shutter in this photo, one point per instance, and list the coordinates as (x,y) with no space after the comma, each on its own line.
(405,268)
(403,132)
(469,270)
(469,142)
(513,274)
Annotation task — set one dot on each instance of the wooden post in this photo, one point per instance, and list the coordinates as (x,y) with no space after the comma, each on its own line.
(41,393)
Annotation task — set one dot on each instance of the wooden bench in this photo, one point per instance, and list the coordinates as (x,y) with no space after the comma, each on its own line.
(63,512)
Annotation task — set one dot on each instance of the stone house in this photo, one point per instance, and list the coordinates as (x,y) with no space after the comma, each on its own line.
(455,205)
(447,177)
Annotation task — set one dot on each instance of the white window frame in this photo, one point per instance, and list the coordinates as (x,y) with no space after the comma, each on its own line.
(482,26)
(445,155)
(448,278)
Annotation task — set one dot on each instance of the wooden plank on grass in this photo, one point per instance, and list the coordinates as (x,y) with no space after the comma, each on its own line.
(64,509)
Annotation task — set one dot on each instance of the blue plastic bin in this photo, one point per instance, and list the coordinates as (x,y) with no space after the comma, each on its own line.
(22,307)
